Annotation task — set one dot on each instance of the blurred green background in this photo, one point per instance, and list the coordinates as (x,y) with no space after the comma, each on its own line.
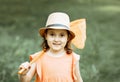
(21,19)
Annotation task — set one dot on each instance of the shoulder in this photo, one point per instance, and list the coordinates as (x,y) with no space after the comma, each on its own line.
(32,56)
(76,56)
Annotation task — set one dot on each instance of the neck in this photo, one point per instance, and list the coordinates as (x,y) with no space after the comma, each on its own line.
(61,52)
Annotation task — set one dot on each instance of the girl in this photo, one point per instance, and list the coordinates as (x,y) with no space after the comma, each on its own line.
(58,62)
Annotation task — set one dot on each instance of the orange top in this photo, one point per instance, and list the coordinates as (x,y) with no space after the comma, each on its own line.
(55,69)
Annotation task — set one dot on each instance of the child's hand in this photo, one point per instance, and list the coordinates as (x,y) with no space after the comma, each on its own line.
(26,66)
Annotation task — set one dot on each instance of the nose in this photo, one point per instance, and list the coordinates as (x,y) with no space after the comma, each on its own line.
(56,38)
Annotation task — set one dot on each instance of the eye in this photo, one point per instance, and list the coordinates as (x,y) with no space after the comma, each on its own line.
(52,34)
(62,35)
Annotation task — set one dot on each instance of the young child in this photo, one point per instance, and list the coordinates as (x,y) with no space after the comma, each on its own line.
(58,63)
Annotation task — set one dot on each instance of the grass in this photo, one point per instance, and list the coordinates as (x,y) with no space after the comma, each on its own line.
(21,19)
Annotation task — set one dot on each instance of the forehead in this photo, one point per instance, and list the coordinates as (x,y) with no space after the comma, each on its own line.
(57,30)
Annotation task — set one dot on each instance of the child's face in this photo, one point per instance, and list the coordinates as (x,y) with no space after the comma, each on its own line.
(56,39)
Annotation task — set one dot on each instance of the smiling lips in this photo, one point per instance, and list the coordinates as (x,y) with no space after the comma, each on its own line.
(56,43)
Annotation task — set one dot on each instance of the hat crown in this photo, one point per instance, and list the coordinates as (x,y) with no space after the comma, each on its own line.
(58,19)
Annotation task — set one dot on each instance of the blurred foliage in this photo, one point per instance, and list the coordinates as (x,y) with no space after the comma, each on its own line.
(21,19)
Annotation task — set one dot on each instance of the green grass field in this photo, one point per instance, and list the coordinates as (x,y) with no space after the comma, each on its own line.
(21,19)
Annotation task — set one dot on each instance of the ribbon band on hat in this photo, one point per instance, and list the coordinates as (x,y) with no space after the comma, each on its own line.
(53,25)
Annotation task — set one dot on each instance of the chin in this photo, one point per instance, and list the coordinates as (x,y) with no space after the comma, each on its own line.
(56,49)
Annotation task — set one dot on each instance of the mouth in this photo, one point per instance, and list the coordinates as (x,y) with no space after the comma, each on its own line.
(56,43)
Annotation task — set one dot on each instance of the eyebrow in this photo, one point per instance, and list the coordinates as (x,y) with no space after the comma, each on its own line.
(51,31)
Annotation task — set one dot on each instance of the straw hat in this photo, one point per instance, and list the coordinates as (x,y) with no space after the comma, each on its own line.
(57,20)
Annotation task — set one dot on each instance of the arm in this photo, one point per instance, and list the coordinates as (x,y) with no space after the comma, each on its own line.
(77,73)
(29,73)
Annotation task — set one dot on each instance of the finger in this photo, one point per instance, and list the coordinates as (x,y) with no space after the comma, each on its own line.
(24,65)
(27,65)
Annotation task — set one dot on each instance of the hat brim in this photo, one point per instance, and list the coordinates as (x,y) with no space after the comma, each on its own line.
(43,30)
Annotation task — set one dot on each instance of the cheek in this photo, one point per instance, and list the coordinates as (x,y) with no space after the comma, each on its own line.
(64,40)
(48,38)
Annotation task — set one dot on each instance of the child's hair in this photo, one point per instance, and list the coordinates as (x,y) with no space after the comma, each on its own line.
(68,49)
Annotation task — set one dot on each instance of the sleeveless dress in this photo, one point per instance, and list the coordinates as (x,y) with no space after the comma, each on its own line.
(55,69)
